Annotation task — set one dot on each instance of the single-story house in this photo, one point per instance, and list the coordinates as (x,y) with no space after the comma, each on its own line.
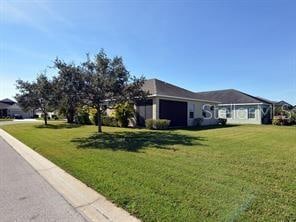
(182,107)
(239,107)
(9,108)
(38,113)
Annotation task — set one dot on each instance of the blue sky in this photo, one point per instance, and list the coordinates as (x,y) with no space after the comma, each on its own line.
(198,45)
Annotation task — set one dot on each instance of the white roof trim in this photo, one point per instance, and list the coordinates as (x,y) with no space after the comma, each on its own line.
(240,104)
(182,98)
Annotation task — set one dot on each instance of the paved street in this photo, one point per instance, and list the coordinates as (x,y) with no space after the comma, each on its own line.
(25,195)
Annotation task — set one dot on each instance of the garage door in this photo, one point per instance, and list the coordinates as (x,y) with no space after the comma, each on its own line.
(173,110)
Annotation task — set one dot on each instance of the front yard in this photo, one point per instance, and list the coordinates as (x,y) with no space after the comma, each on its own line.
(239,173)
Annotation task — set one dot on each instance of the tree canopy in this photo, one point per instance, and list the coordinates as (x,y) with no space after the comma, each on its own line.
(99,82)
(37,94)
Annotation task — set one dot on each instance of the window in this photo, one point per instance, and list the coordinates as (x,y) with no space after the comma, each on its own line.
(251,113)
(191,110)
(228,113)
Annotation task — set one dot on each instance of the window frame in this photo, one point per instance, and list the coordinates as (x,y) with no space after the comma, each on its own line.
(251,113)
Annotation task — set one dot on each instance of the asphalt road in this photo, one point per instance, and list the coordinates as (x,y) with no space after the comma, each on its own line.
(25,195)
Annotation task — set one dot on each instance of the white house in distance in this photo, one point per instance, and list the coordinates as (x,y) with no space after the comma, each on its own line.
(182,107)
(239,107)
(10,109)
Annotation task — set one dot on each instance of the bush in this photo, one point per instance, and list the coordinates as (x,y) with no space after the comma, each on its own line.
(159,124)
(123,112)
(149,123)
(83,119)
(281,121)
(293,118)
(197,121)
(55,117)
(109,121)
(94,119)
(222,121)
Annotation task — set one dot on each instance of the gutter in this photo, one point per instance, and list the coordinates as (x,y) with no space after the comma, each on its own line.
(182,98)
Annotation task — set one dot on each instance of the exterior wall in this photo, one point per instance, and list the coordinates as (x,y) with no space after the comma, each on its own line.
(12,111)
(155,108)
(201,108)
(239,114)
(195,106)
(39,114)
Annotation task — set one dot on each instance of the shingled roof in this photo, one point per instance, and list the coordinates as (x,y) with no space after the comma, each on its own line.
(230,96)
(8,101)
(161,88)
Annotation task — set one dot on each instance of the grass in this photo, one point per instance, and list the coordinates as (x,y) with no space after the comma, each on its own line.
(239,173)
(5,119)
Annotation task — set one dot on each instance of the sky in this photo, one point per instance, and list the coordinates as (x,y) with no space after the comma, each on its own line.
(198,45)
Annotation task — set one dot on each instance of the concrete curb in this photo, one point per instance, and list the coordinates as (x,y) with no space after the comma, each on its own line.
(92,205)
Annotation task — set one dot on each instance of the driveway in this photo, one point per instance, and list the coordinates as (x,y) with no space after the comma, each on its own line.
(25,195)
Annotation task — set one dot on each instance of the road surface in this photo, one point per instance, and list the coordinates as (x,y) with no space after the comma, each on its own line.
(25,195)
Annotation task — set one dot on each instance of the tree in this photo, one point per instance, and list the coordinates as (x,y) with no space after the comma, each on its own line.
(69,85)
(108,83)
(36,95)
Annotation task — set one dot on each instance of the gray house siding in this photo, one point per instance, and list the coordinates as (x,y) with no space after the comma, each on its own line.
(246,114)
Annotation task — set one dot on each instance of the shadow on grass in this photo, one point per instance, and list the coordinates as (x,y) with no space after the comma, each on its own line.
(58,126)
(198,128)
(134,141)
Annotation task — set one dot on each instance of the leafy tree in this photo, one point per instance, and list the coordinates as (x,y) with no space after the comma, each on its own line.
(69,85)
(36,95)
(108,83)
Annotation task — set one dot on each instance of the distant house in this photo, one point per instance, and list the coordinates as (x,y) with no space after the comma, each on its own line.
(239,107)
(285,105)
(9,108)
(38,113)
(181,106)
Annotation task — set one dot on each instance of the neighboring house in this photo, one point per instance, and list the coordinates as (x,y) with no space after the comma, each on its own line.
(239,107)
(283,104)
(39,113)
(11,109)
(181,106)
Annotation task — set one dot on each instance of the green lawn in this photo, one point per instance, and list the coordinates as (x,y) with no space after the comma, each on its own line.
(1,119)
(239,173)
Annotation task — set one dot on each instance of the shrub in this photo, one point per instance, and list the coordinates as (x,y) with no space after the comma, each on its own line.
(94,119)
(293,118)
(162,124)
(123,112)
(197,121)
(149,123)
(159,124)
(222,121)
(109,121)
(83,119)
(55,117)
(280,121)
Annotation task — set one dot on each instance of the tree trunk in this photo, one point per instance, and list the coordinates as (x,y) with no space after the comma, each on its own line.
(45,118)
(99,120)
(70,115)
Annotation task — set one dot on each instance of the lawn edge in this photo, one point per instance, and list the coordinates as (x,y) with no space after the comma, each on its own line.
(89,203)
